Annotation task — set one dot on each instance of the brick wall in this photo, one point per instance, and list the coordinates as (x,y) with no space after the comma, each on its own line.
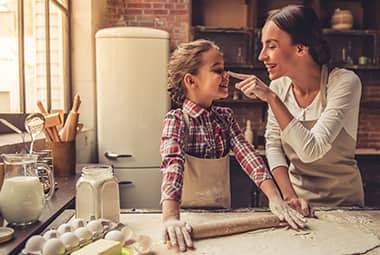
(369,118)
(172,16)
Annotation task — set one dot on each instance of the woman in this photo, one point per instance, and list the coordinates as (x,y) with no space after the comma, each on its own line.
(313,113)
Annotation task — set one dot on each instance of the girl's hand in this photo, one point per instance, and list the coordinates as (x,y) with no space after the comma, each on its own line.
(177,233)
(252,86)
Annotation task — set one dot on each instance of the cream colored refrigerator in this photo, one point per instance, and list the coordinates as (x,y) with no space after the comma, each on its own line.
(132,99)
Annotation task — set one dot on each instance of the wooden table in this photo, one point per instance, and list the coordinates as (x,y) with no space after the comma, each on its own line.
(149,223)
(61,200)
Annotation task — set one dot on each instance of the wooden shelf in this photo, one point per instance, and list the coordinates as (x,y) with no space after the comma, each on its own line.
(238,101)
(370,102)
(362,67)
(252,67)
(351,32)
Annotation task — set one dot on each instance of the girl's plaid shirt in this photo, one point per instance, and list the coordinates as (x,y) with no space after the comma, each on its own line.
(211,134)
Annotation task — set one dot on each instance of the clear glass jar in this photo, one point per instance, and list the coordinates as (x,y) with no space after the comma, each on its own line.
(97,194)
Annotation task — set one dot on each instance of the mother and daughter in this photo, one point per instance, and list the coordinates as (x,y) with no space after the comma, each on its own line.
(312,122)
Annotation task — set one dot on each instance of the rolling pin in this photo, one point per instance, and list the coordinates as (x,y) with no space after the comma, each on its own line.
(69,130)
(233,226)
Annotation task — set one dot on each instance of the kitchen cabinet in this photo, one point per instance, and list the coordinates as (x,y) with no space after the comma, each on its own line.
(237,44)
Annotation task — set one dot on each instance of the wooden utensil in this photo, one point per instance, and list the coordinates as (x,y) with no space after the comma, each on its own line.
(70,128)
(234,226)
(52,120)
(52,131)
(61,113)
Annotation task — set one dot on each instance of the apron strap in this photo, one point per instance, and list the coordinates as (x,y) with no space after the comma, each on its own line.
(324,81)
(186,129)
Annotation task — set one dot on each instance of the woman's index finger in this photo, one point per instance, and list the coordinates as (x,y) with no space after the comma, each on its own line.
(239,76)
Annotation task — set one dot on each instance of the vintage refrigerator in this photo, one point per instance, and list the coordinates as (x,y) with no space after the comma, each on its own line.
(132,99)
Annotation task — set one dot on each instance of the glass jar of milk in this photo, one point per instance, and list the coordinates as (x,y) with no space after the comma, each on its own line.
(22,197)
(97,194)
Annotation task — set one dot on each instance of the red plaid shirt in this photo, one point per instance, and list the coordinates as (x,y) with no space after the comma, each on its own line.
(211,134)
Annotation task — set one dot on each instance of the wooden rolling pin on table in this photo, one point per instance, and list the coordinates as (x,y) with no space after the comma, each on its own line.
(233,226)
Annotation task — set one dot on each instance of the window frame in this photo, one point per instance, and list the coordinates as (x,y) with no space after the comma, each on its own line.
(18,118)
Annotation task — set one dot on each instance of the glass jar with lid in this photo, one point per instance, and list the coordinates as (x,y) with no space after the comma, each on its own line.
(97,194)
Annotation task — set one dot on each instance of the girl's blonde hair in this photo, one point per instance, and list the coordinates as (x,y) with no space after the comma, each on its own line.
(187,58)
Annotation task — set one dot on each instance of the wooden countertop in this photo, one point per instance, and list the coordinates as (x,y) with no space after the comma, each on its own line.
(61,200)
(149,223)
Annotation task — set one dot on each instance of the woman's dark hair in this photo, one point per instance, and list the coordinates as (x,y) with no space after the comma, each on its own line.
(303,26)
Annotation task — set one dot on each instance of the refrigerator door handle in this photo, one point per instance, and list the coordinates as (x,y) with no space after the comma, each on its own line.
(115,156)
(126,183)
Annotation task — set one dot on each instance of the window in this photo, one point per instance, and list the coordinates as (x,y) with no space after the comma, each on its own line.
(34,46)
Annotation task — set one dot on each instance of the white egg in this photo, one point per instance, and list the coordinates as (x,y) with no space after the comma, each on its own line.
(34,244)
(143,244)
(78,223)
(95,226)
(83,233)
(128,233)
(66,227)
(115,235)
(53,246)
(69,240)
(53,233)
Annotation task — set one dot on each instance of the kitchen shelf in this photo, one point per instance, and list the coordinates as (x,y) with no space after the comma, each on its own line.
(351,32)
(250,67)
(370,102)
(362,67)
(238,101)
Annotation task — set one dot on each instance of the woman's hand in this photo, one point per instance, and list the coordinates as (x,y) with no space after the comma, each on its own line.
(177,233)
(284,212)
(252,86)
(301,206)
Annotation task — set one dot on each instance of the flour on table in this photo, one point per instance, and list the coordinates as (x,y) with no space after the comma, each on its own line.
(322,237)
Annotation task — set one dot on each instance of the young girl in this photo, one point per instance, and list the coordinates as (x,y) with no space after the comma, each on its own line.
(196,140)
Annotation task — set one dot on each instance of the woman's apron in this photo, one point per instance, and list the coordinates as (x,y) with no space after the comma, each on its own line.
(333,180)
(206,182)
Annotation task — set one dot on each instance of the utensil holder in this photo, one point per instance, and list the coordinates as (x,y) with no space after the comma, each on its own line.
(64,158)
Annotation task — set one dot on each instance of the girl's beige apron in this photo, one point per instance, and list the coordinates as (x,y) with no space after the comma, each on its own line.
(206,182)
(333,180)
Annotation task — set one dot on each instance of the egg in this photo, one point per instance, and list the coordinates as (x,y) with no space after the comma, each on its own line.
(128,233)
(34,244)
(115,235)
(69,240)
(53,246)
(95,226)
(77,223)
(66,227)
(83,233)
(53,233)
(143,244)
